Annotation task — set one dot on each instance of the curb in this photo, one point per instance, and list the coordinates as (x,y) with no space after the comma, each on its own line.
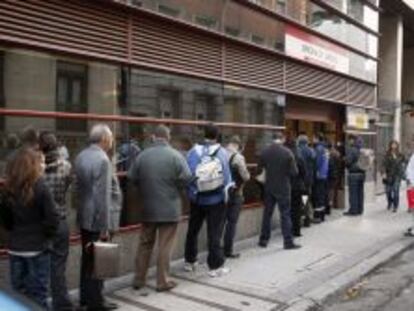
(313,300)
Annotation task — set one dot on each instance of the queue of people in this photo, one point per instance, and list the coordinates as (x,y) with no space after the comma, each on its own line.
(297,180)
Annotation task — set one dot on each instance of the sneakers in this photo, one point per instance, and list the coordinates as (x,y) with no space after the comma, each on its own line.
(191,267)
(219,272)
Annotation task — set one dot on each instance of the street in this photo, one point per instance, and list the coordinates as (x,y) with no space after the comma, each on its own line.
(390,288)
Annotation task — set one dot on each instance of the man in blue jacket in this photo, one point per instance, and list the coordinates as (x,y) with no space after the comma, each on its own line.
(320,192)
(209,164)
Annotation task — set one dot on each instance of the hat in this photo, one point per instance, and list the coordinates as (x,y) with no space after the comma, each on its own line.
(235,140)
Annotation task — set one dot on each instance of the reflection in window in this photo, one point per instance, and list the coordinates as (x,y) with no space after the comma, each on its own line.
(71,94)
(169,103)
(2,95)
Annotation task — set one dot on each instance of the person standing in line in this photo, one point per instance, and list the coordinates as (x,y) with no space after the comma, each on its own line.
(393,167)
(356,177)
(409,174)
(94,182)
(160,173)
(280,166)
(208,194)
(28,212)
(320,189)
(240,175)
(298,189)
(309,157)
(58,177)
(333,177)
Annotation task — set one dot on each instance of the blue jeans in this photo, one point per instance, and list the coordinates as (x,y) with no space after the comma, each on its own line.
(232,217)
(59,256)
(283,204)
(393,194)
(30,276)
(356,193)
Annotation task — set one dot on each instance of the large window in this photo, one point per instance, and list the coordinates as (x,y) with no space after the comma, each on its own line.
(71,94)
(2,95)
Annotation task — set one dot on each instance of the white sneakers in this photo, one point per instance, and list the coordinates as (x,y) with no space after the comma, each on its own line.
(219,272)
(191,267)
(216,273)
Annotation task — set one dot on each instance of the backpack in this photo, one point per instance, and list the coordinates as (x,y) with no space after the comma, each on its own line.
(235,174)
(365,160)
(209,172)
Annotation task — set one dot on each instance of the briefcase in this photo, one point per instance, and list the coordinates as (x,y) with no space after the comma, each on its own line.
(107,260)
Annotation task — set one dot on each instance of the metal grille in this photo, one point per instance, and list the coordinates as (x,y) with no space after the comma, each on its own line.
(361,94)
(248,66)
(76,26)
(175,47)
(310,81)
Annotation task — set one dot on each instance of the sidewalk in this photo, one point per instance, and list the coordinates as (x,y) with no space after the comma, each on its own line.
(334,254)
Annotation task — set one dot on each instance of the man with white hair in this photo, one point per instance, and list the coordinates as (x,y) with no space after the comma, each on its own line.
(94,175)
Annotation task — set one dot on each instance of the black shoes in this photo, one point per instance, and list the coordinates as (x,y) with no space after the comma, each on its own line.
(262,244)
(107,306)
(292,246)
(232,255)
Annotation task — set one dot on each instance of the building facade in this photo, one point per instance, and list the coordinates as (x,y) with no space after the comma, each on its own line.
(307,65)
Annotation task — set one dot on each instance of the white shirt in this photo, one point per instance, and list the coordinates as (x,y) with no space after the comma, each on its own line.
(410,170)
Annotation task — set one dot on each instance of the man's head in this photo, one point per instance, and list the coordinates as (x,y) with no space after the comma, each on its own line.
(29,138)
(211,132)
(319,138)
(279,137)
(48,142)
(12,141)
(352,139)
(101,135)
(235,142)
(162,133)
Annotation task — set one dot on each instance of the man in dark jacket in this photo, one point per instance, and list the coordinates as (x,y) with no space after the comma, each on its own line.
(356,177)
(298,189)
(279,165)
(160,173)
(309,157)
(320,188)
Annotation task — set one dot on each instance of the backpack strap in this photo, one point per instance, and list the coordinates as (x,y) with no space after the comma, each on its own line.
(232,158)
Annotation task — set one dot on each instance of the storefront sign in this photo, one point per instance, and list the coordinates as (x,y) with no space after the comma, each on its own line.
(357,119)
(304,46)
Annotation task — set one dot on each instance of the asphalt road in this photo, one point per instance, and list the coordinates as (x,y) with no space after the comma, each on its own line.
(389,288)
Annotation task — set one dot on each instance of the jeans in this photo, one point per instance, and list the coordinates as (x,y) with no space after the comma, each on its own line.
(90,287)
(30,276)
(320,198)
(232,217)
(283,204)
(214,214)
(59,255)
(356,193)
(296,212)
(166,236)
(393,194)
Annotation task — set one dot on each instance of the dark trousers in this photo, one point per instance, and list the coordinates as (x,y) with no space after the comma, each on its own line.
(59,255)
(393,194)
(356,193)
(320,198)
(283,204)
(30,276)
(90,287)
(232,217)
(214,215)
(296,212)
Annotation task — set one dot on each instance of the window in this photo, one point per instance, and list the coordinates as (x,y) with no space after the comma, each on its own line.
(169,104)
(71,94)
(204,108)
(2,95)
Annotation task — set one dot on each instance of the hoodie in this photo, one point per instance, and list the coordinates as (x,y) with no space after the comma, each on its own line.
(322,161)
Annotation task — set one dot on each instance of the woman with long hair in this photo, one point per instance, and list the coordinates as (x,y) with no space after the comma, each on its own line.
(393,172)
(29,215)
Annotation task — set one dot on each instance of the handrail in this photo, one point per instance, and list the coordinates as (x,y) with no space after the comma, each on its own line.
(130,119)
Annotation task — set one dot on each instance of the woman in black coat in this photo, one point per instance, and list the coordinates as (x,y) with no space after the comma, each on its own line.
(393,168)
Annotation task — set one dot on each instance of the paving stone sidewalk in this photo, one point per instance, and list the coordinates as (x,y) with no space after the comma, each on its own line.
(334,254)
